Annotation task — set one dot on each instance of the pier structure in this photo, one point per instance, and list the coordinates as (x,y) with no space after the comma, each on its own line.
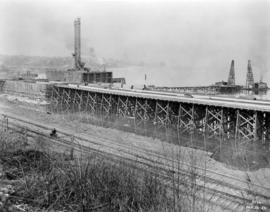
(241,119)
(212,89)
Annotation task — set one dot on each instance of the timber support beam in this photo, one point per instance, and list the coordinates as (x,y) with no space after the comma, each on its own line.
(106,105)
(186,121)
(214,120)
(162,117)
(246,125)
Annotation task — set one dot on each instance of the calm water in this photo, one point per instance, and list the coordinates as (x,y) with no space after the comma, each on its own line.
(262,95)
(177,76)
(162,76)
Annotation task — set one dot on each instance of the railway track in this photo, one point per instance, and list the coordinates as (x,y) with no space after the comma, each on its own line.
(213,190)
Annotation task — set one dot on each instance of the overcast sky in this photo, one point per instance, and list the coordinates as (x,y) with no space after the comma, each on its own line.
(193,35)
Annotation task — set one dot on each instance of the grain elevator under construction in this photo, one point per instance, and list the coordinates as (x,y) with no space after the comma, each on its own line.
(80,90)
(80,73)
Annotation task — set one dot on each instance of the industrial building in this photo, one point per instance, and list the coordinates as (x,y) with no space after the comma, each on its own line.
(80,73)
(28,85)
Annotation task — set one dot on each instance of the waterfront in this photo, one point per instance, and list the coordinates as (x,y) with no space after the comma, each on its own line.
(170,77)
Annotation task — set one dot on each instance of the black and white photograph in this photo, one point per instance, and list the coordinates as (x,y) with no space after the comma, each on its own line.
(135,106)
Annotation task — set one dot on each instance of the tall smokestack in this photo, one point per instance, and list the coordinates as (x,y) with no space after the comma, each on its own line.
(250,78)
(77,43)
(231,79)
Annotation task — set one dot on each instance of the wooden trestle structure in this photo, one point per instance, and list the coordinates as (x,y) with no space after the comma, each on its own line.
(238,119)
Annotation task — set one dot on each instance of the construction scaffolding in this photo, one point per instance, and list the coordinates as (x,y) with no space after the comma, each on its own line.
(231,79)
(250,78)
